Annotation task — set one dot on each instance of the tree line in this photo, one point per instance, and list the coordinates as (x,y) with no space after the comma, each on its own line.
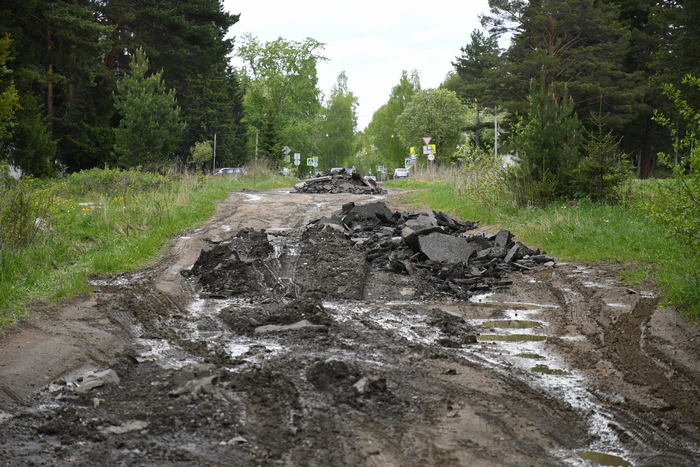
(148,83)
(129,83)
(64,62)
(611,58)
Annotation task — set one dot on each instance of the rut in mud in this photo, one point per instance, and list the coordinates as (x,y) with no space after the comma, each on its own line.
(327,341)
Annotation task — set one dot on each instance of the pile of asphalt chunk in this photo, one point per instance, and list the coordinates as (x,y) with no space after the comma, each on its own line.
(406,243)
(340,182)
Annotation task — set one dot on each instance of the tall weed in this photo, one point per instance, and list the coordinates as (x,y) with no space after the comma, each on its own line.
(24,212)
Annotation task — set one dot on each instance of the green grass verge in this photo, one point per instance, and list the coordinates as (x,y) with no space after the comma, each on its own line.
(101,222)
(585,232)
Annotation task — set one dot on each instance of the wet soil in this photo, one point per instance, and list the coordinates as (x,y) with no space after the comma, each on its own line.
(288,347)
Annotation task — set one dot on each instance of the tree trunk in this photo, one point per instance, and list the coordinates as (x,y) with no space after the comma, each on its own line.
(49,87)
(477,140)
(646,156)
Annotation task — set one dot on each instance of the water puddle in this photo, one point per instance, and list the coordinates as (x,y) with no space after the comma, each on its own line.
(511,324)
(512,337)
(516,340)
(603,459)
(550,371)
(531,356)
(252,197)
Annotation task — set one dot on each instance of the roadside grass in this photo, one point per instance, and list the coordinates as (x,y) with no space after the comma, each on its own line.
(582,232)
(100,222)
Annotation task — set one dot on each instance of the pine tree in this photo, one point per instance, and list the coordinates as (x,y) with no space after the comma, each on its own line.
(150,118)
(479,60)
(580,44)
(547,144)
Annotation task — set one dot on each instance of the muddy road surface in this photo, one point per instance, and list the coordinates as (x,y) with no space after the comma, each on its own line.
(296,347)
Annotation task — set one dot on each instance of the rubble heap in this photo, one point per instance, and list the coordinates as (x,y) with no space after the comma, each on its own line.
(340,181)
(340,256)
(411,243)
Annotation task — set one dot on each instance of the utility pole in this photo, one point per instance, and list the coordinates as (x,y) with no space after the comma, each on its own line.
(213,159)
(495,133)
(256,145)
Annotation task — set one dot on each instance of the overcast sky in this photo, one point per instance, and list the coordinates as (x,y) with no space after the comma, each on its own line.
(371,40)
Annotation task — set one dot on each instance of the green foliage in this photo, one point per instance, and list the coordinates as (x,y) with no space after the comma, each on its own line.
(340,123)
(70,54)
(23,212)
(93,222)
(475,69)
(547,143)
(583,231)
(605,171)
(437,113)
(9,100)
(676,202)
(282,99)
(383,141)
(581,45)
(31,148)
(218,110)
(201,152)
(150,125)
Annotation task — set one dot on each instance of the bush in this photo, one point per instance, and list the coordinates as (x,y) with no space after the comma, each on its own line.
(676,203)
(605,170)
(547,140)
(24,211)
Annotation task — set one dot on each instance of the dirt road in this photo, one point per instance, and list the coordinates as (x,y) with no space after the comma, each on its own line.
(313,357)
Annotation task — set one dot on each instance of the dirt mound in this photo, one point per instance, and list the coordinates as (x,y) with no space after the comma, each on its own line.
(341,181)
(329,264)
(337,252)
(437,244)
(228,266)
(276,317)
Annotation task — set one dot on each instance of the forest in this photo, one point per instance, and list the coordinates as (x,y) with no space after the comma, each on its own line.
(80,78)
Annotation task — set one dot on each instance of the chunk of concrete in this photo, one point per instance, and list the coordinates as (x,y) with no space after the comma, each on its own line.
(503,238)
(410,236)
(376,210)
(96,380)
(445,248)
(423,221)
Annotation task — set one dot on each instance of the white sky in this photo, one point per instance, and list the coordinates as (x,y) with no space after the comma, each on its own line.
(373,41)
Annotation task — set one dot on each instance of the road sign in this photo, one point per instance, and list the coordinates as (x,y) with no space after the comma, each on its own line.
(408,161)
(297,156)
(431,157)
(429,149)
(427,140)
(413,151)
(310,161)
(286,150)
(297,162)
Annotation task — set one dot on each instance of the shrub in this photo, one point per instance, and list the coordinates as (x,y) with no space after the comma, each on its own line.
(24,211)
(547,140)
(604,170)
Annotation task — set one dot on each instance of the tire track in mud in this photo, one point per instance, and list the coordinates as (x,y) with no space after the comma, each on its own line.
(620,335)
